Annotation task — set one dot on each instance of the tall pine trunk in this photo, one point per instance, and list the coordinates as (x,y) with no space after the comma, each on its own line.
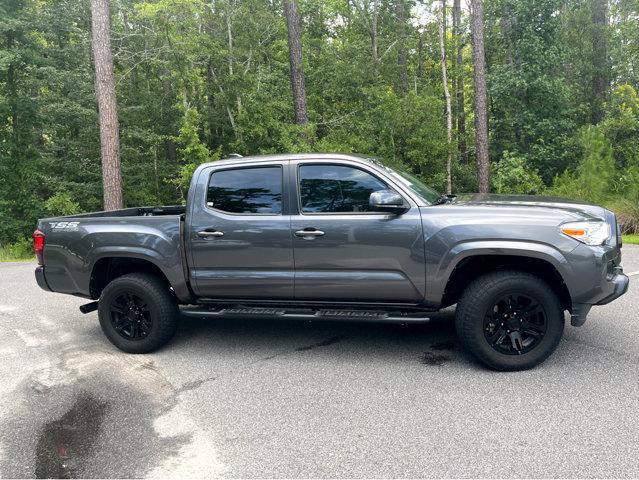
(449,113)
(600,64)
(295,55)
(402,62)
(459,82)
(481,97)
(107,104)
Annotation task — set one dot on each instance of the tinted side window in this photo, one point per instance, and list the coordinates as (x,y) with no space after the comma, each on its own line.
(334,188)
(246,190)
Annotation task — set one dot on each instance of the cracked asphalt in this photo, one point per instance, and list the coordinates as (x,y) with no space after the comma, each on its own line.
(265,398)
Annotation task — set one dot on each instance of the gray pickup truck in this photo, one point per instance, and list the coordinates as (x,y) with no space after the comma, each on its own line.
(328,236)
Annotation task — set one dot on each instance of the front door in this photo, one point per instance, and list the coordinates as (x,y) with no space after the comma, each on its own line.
(240,237)
(345,252)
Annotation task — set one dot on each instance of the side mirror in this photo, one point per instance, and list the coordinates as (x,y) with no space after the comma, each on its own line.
(387,201)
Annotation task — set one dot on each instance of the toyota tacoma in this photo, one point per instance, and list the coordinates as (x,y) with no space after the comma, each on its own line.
(328,236)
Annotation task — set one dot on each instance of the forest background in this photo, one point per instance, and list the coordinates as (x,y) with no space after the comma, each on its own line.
(197,80)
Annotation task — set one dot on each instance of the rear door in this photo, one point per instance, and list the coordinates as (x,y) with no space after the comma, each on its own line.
(343,251)
(239,233)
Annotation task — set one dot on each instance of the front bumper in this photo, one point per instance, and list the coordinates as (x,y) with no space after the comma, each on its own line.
(620,284)
(617,285)
(40,278)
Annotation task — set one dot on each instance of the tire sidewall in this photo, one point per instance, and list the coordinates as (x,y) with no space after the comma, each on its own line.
(111,292)
(535,289)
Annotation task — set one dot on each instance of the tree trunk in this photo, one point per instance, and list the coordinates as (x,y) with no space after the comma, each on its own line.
(400,12)
(449,114)
(600,64)
(420,56)
(459,83)
(107,104)
(373,33)
(134,68)
(295,54)
(12,90)
(481,97)
(170,149)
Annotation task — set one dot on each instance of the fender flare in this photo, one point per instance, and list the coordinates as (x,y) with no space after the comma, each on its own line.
(438,278)
(177,282)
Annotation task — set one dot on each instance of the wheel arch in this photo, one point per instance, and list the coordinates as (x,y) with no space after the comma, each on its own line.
(136,259)
(467,262)
(108,268)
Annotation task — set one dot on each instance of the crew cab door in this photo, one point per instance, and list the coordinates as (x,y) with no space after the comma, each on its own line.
(344,252)
(239,235)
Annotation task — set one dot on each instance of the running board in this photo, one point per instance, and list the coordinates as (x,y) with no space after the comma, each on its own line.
(307,314)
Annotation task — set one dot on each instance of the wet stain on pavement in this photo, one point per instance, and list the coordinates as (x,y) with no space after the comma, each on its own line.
(64,444)
(446,345)
(323,343)
(93,415)
(434,359)
(194,385)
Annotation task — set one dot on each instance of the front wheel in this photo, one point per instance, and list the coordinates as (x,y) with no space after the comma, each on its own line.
(509,320)
(138,313)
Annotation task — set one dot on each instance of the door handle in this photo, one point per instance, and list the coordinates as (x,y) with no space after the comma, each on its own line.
(309,233)
(210,233)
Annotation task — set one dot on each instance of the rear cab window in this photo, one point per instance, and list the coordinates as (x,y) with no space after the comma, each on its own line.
(246,190)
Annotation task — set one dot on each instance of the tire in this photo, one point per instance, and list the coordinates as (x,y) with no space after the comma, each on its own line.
(138,313)
(485,314)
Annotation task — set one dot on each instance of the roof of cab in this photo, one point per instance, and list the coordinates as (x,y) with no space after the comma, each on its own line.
(291,156)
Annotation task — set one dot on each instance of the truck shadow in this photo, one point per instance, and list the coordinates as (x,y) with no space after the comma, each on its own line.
(432,343)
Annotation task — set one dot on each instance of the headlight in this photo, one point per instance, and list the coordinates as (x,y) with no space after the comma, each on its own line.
(590,233)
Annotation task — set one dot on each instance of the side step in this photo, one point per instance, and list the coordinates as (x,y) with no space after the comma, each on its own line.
(307,314)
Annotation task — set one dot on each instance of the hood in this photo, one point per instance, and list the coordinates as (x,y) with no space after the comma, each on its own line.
(487,199)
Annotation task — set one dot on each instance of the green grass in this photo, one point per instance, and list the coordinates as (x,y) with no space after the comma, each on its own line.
(631,238)
(16,252)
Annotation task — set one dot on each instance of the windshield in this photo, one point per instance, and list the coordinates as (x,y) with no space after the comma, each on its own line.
(412,182)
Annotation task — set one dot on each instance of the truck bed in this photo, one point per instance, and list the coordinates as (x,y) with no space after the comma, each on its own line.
(79,247)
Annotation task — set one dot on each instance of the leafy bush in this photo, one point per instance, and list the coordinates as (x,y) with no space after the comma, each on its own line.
(598,179)
(191,150)
(512,174)
(594,177)
(20,250)
(61,204)
(596,171)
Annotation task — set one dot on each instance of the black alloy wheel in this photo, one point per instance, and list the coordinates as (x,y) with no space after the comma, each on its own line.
(131,316)
(138,312)
(515,324)
(510,320)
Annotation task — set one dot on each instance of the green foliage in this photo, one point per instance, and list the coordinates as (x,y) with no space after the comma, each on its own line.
(513,175)
(19,250)
(621,126)
(61,204)
(197,81)
(536,104)
(596,171)
(608,171)
(191,151)
(631,238)
(595,174)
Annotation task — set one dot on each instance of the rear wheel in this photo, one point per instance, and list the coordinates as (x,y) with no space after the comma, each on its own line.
(510,320)
(138,313)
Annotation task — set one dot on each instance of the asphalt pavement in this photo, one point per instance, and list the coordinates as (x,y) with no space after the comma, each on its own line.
(266,398)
